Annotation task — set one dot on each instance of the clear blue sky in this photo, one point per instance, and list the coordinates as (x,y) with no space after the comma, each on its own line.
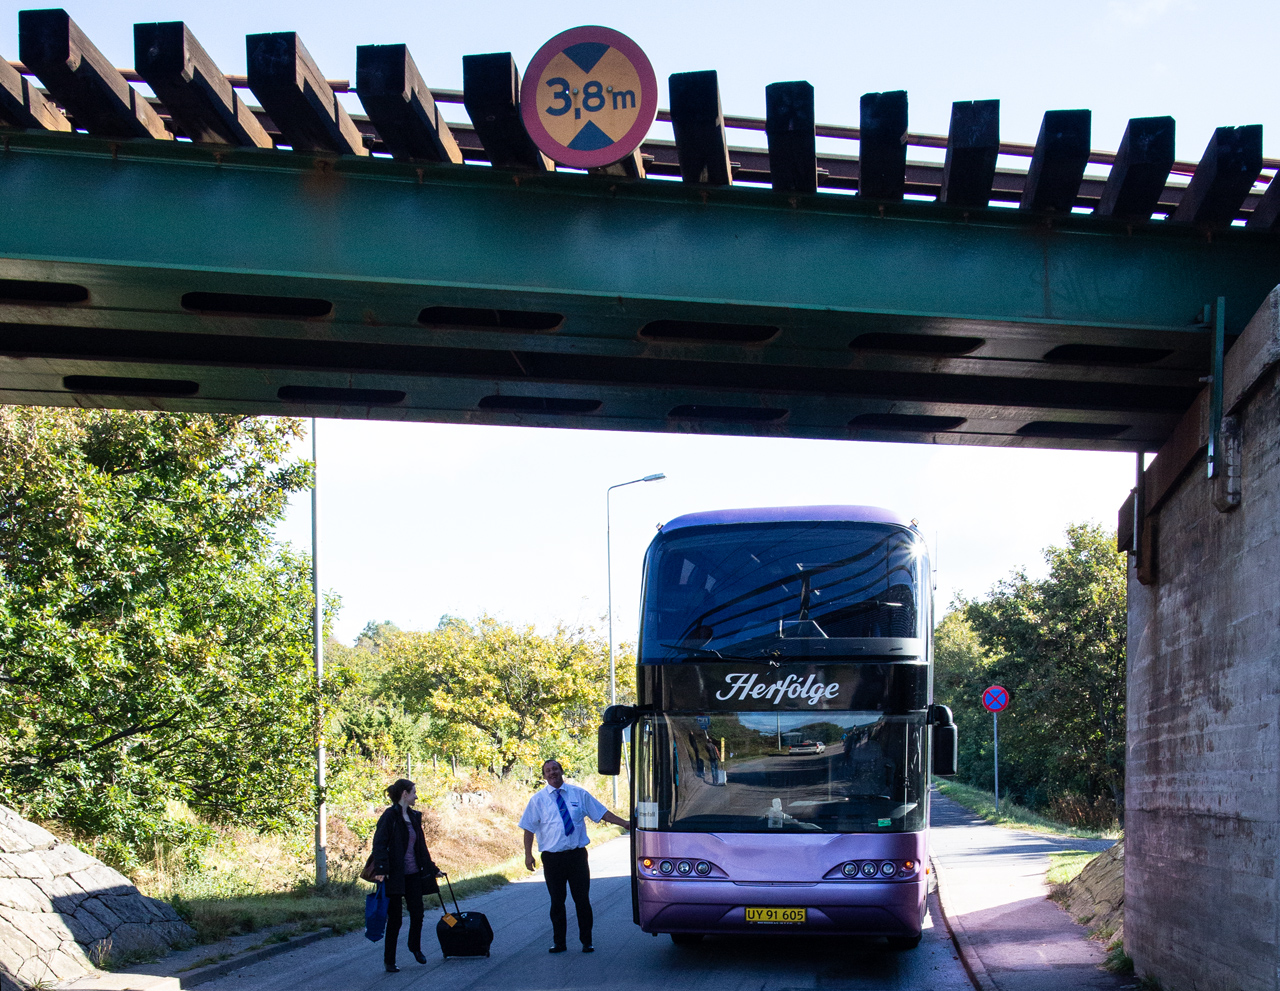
(419,520)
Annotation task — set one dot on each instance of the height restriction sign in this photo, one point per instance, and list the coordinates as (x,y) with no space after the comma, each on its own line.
(589,97)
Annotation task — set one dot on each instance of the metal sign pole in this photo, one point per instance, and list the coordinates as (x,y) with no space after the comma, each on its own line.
(994,700)
(995,736)
(317,646)
(608,567)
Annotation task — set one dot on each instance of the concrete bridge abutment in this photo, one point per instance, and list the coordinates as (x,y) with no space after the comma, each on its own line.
(1202,820)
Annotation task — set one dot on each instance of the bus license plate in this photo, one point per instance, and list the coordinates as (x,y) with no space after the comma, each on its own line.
(771,915)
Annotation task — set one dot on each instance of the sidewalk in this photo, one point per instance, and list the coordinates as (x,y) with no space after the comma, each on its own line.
(991,886)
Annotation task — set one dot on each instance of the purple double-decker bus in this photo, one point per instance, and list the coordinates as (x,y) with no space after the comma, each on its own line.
(784,730)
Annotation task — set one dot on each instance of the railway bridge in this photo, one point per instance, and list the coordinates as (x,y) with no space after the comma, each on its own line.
(244,244)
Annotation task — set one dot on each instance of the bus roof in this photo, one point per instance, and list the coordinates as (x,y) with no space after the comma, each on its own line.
(789,514)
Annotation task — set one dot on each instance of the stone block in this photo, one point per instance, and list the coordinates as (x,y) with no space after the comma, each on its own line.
(101,912)
(130,908)
(22,894)
(25,835)
(69,963)
(15,947)
(12,842)
(85,927)
(134,937)
(30,864)
(1097,894)
(47,931)
(66,859)
(10,966)
(162,910)
(63,892)
(99,879)
(174,933)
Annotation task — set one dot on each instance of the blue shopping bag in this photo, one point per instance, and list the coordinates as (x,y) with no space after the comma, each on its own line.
(375,913)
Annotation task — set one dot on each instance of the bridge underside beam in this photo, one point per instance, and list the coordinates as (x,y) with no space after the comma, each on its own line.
(176,277)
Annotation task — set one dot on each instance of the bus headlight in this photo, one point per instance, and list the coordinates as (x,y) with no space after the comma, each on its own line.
(869,869)
(888,868)
(850,870)
(684,868)
(666,867)
(702,868)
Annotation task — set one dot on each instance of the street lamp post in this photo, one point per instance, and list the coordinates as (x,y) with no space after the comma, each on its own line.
(608,556)
(317,647)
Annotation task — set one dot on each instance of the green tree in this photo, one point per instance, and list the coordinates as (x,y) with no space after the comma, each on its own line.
(1058,645)
(500,695)
(154,642)
(962,670)
(374,633)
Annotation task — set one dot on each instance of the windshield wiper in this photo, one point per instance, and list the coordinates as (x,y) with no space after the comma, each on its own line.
(710,652)
(785,580)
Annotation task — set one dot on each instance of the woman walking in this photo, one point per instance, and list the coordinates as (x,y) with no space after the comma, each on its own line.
(401,859)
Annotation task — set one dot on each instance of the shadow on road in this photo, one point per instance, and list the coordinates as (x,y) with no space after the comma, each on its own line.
(823,957)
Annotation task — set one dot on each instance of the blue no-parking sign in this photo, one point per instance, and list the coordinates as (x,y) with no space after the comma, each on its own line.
(995,699)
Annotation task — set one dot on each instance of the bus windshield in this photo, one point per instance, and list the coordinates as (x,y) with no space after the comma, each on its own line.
(779,590)
(748,772)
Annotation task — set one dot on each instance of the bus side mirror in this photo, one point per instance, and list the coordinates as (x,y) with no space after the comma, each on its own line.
(609,738)
(945,741)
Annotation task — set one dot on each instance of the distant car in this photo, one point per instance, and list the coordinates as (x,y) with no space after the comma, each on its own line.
(807,747)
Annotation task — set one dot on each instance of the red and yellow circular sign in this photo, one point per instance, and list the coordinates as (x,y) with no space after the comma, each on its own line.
(589,97)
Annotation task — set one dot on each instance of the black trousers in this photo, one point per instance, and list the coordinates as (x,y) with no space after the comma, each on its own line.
(569,866)
(412,895)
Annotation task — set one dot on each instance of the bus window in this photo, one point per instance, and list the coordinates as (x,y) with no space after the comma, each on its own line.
(780,590)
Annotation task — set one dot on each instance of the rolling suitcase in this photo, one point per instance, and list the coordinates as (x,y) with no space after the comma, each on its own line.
(462,934)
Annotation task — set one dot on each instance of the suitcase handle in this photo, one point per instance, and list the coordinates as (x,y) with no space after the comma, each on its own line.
(456,909)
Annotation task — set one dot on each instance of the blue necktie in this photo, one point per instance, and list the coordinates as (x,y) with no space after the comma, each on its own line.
(564,812)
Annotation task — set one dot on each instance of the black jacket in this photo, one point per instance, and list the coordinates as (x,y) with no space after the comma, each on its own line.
(389,842)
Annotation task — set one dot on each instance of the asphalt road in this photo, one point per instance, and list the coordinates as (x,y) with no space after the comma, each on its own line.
(625,957)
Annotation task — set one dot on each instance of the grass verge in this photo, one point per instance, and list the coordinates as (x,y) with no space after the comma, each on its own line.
(215,919)
(1065,865)
(1013,816)
(340,907)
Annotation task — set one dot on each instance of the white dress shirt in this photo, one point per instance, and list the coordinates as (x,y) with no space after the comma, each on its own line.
(542,817)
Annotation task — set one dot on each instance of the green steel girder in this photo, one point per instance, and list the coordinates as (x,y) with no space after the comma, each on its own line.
(140,224)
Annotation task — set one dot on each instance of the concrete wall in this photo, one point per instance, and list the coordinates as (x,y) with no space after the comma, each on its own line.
(1202,823)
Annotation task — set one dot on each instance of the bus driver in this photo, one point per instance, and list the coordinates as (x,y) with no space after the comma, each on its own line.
(555,815)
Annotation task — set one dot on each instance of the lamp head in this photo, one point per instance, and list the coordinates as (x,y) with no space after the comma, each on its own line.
(653,478)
